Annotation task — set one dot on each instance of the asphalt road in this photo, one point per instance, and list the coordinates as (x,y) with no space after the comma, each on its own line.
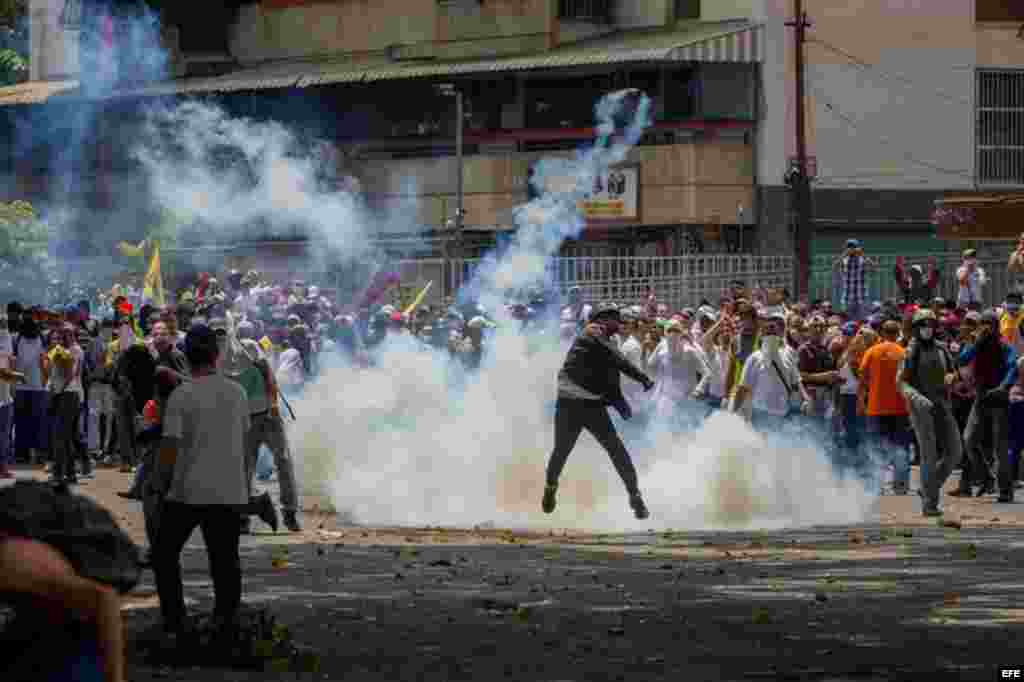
(903,599)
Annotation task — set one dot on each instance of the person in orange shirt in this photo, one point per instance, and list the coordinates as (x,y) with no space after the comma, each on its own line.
(884,405)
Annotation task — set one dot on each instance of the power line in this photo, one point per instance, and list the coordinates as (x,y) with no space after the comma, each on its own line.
(831,108)
(874,68)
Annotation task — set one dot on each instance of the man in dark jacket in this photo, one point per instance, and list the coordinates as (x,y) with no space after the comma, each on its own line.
(587,383)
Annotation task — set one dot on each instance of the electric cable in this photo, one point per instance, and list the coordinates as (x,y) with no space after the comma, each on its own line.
(874,68)
(848,120)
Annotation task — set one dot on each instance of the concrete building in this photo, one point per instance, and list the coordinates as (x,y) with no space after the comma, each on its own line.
(906,101)
(531,71)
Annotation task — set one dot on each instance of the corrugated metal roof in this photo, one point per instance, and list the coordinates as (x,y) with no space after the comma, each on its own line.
(732,41)
(618,48)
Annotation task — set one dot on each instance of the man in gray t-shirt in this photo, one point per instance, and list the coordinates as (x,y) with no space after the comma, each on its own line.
(204,434)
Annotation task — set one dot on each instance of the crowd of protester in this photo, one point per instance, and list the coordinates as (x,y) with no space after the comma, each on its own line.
(158,390)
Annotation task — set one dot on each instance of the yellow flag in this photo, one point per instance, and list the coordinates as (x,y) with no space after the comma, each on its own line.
(132,251)
(419,298)
(153,286)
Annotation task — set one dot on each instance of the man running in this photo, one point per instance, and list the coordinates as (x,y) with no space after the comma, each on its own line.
(587,383)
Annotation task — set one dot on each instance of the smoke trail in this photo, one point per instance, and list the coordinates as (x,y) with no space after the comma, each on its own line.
(396,445)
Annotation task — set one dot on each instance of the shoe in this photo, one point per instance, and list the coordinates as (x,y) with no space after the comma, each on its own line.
(931,512)
(129,495)
(960,492)
(6,473)
(1017,485)
(639,508)
(549,502)
(900,489)
(265,511)
(1005,497)
(988,488)
(291,522)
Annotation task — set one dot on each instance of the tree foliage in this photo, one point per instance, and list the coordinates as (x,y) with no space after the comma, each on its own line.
(23,237)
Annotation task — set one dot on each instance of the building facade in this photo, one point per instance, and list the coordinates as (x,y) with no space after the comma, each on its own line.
(906,101)
(530,70)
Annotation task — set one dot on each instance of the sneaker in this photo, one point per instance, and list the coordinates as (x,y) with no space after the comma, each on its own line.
(548,503)
(265,511)
(639,508)
(988,488)
(291,522)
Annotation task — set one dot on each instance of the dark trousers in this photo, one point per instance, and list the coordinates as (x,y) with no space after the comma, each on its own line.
(31,423)
(219,524)
(986,420)
(571,417)
(1016,437)
(64,413)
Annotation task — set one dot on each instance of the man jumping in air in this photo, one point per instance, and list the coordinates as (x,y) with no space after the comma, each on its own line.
(587,383)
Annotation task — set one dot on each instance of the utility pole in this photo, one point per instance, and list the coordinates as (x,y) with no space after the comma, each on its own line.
(797,177)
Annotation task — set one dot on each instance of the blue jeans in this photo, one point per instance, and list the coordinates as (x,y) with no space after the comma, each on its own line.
(891,436)
(852,445)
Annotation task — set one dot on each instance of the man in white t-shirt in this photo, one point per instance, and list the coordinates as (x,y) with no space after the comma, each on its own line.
(202,468)
(770,382)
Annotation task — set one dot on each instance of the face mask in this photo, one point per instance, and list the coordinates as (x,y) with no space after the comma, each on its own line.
(926,333)
(771,344)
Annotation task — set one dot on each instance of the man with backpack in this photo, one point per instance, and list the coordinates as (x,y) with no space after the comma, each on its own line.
(925,375)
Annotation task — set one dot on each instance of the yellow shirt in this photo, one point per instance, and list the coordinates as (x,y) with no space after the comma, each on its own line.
(1009,326)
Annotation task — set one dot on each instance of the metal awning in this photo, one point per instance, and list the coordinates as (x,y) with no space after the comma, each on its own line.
(34,92)
(729,42)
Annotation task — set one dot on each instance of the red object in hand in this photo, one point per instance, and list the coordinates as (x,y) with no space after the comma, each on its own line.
(125,308)
(150,412)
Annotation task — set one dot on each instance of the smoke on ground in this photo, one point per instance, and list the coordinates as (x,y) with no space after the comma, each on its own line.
(398,445)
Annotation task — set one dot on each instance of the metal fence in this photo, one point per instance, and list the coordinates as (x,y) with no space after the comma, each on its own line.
(882,283)
(678,281)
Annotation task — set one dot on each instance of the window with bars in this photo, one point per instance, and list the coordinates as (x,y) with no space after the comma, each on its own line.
(599,11)
(999,127)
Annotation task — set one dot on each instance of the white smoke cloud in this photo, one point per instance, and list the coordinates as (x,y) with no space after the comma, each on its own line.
(396,445)
(231,175)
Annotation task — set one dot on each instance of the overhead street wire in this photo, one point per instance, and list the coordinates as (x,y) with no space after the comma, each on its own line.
(877,70)
(852,123)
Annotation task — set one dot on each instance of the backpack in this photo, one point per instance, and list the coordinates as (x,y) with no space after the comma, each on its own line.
(84,532)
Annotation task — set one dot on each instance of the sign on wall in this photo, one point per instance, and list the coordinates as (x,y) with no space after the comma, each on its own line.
(613,198)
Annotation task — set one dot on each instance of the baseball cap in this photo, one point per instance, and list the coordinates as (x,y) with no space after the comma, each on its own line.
(853,243)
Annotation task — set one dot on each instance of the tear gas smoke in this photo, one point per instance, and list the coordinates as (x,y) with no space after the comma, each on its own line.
(397,445)
(228,175)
